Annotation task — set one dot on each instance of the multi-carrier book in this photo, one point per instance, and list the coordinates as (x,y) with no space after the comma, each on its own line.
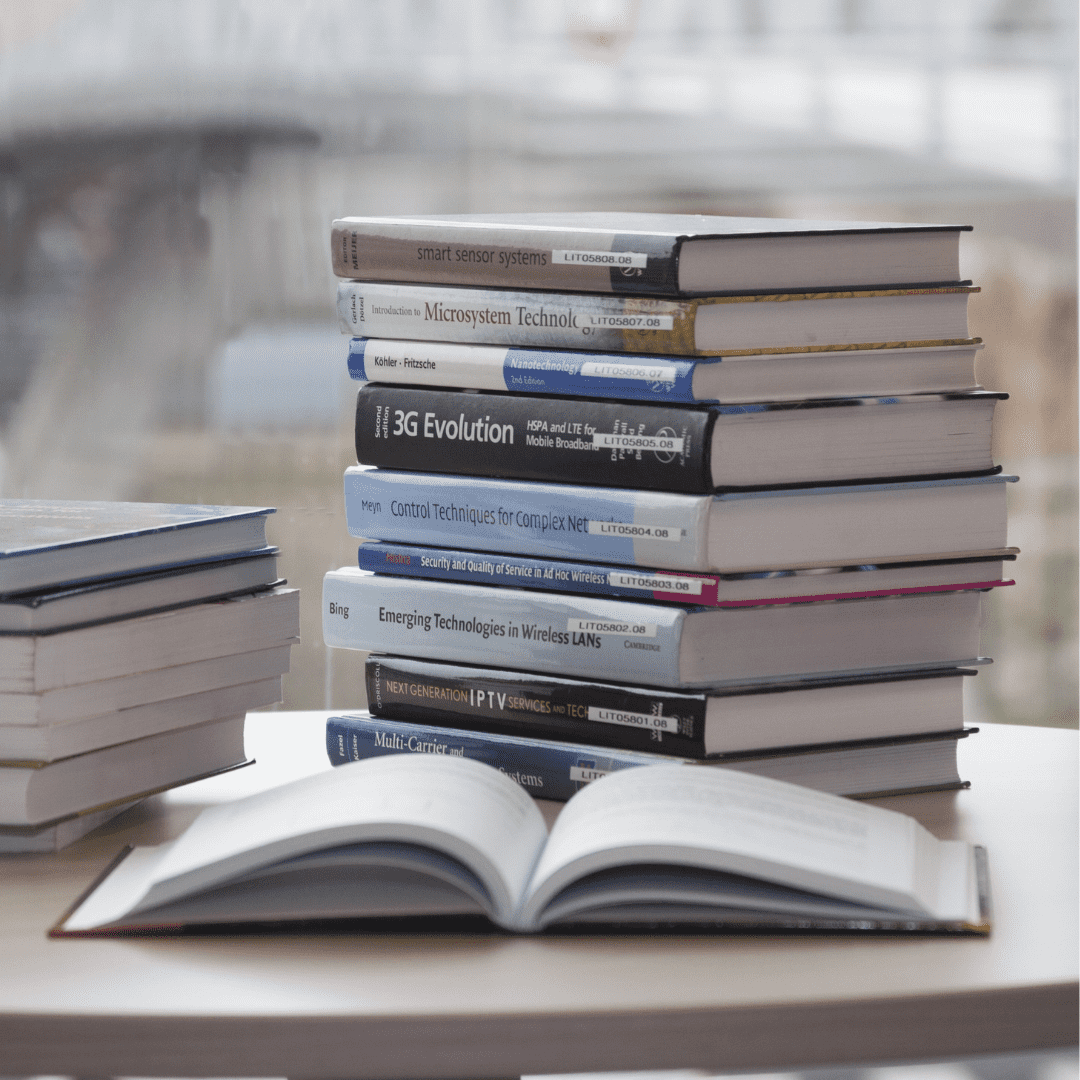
(714,326)
(547,769)
(653,644)
(682,723)
(674,448)
(628,376)
(730,533)
(646,254)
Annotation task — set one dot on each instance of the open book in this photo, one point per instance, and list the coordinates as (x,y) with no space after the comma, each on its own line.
(419,835)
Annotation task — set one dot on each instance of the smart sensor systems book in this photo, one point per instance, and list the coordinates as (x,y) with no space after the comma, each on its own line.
(775,377)
(646,254)
(714,326)
(674,448)
(414,835)
(654,644)
(731,533)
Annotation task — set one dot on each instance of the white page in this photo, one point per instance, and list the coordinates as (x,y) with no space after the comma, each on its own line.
(723,819)
(466,809)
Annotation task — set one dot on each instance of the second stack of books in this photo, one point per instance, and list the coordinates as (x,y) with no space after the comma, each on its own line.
(751,528)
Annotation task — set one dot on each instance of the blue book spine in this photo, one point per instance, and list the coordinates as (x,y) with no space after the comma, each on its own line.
(533,371)
(521,572)
(605,525)
(544,768)
(616,640)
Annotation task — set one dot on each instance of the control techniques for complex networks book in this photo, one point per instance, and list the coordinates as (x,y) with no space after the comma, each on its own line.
(731,533)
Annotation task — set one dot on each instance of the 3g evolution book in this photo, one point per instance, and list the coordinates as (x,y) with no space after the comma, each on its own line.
(645,254)
(674,448)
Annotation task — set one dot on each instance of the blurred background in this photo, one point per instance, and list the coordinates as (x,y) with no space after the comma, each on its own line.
(169,171)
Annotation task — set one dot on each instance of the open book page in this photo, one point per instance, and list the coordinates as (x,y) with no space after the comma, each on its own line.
(720,819)
(452,805)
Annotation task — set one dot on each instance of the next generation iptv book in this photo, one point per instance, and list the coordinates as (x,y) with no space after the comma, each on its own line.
(731,533)
(682,723)
(674,448)
(654,644)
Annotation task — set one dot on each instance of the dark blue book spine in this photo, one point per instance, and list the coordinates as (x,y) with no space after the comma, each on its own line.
(521,572)
(544,768)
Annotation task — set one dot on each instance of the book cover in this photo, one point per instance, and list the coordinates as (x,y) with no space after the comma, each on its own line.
(51,542)
(646,254)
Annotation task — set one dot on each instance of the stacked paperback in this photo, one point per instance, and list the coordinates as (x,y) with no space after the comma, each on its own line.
(643,488)
(134,637)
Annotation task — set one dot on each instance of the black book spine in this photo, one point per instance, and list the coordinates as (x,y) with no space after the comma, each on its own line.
(515,436)
(593,714)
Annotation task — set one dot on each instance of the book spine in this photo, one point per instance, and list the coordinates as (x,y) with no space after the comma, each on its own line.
(545,769)
(521,572)
(594,262)
(527,371)
(616,444)
(533,705)
(542,320)
(611,525)
(573,635)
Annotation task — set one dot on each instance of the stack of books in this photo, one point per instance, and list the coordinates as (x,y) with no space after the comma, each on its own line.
(133,639)
(642,487)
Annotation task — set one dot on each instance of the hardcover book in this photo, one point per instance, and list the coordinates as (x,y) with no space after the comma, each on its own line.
(628,376)
(646,254)
(674,448)
(684,724)
(712,590)
(63,607)
(547,769)
(653,644)
(738,532)
(714,326)
(417,836)
(33,793)
(47,542)
(30,664)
